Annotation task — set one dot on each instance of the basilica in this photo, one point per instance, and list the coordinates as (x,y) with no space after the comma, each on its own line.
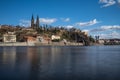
(35,25)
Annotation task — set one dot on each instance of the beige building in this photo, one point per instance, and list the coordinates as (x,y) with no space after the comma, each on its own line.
(9,38)
(55,37)
(101,41)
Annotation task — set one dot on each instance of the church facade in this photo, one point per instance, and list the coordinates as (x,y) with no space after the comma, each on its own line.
(35,25)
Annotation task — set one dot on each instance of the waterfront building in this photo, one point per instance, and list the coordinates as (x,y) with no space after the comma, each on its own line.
(9,38)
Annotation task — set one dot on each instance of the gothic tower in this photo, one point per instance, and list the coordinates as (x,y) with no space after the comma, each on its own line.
(32,22)
(37,22)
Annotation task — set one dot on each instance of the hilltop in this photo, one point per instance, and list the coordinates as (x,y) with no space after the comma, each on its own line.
(71,34)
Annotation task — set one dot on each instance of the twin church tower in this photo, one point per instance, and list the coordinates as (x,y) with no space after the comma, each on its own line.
(35,25)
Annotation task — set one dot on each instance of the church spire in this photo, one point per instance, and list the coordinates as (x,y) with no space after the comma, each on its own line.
(32,22)
(37,22)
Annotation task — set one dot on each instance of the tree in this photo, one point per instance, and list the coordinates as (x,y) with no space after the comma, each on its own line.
(91,39)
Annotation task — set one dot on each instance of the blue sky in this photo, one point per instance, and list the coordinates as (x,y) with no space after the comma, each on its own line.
(97,17)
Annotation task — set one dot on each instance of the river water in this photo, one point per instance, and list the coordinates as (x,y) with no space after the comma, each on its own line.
(60,63)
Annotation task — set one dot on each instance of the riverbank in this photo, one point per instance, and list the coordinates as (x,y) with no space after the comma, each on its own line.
(41,44)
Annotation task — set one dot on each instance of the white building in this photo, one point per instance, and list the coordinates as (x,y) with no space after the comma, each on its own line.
(101,41)
(55,37)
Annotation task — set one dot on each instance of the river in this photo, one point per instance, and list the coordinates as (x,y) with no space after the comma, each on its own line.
(60,63)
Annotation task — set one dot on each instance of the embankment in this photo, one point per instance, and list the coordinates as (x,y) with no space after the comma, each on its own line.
(41,44)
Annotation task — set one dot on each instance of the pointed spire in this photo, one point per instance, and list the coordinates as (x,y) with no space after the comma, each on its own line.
(37,22)
(32,17)
(32,22)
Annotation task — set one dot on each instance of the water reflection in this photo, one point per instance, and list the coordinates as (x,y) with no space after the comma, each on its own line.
(9,56)
(33,61)
(63,63)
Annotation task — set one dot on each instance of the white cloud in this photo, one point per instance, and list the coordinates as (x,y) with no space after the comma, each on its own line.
(97,30)
(107,31)
(103,1)
(25,23)
(107,2)
(65,19)
(110,27)
(106,28)
(48,20)
(85,30)
(69,26)
(113,34)
(118,1)
(89,23)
